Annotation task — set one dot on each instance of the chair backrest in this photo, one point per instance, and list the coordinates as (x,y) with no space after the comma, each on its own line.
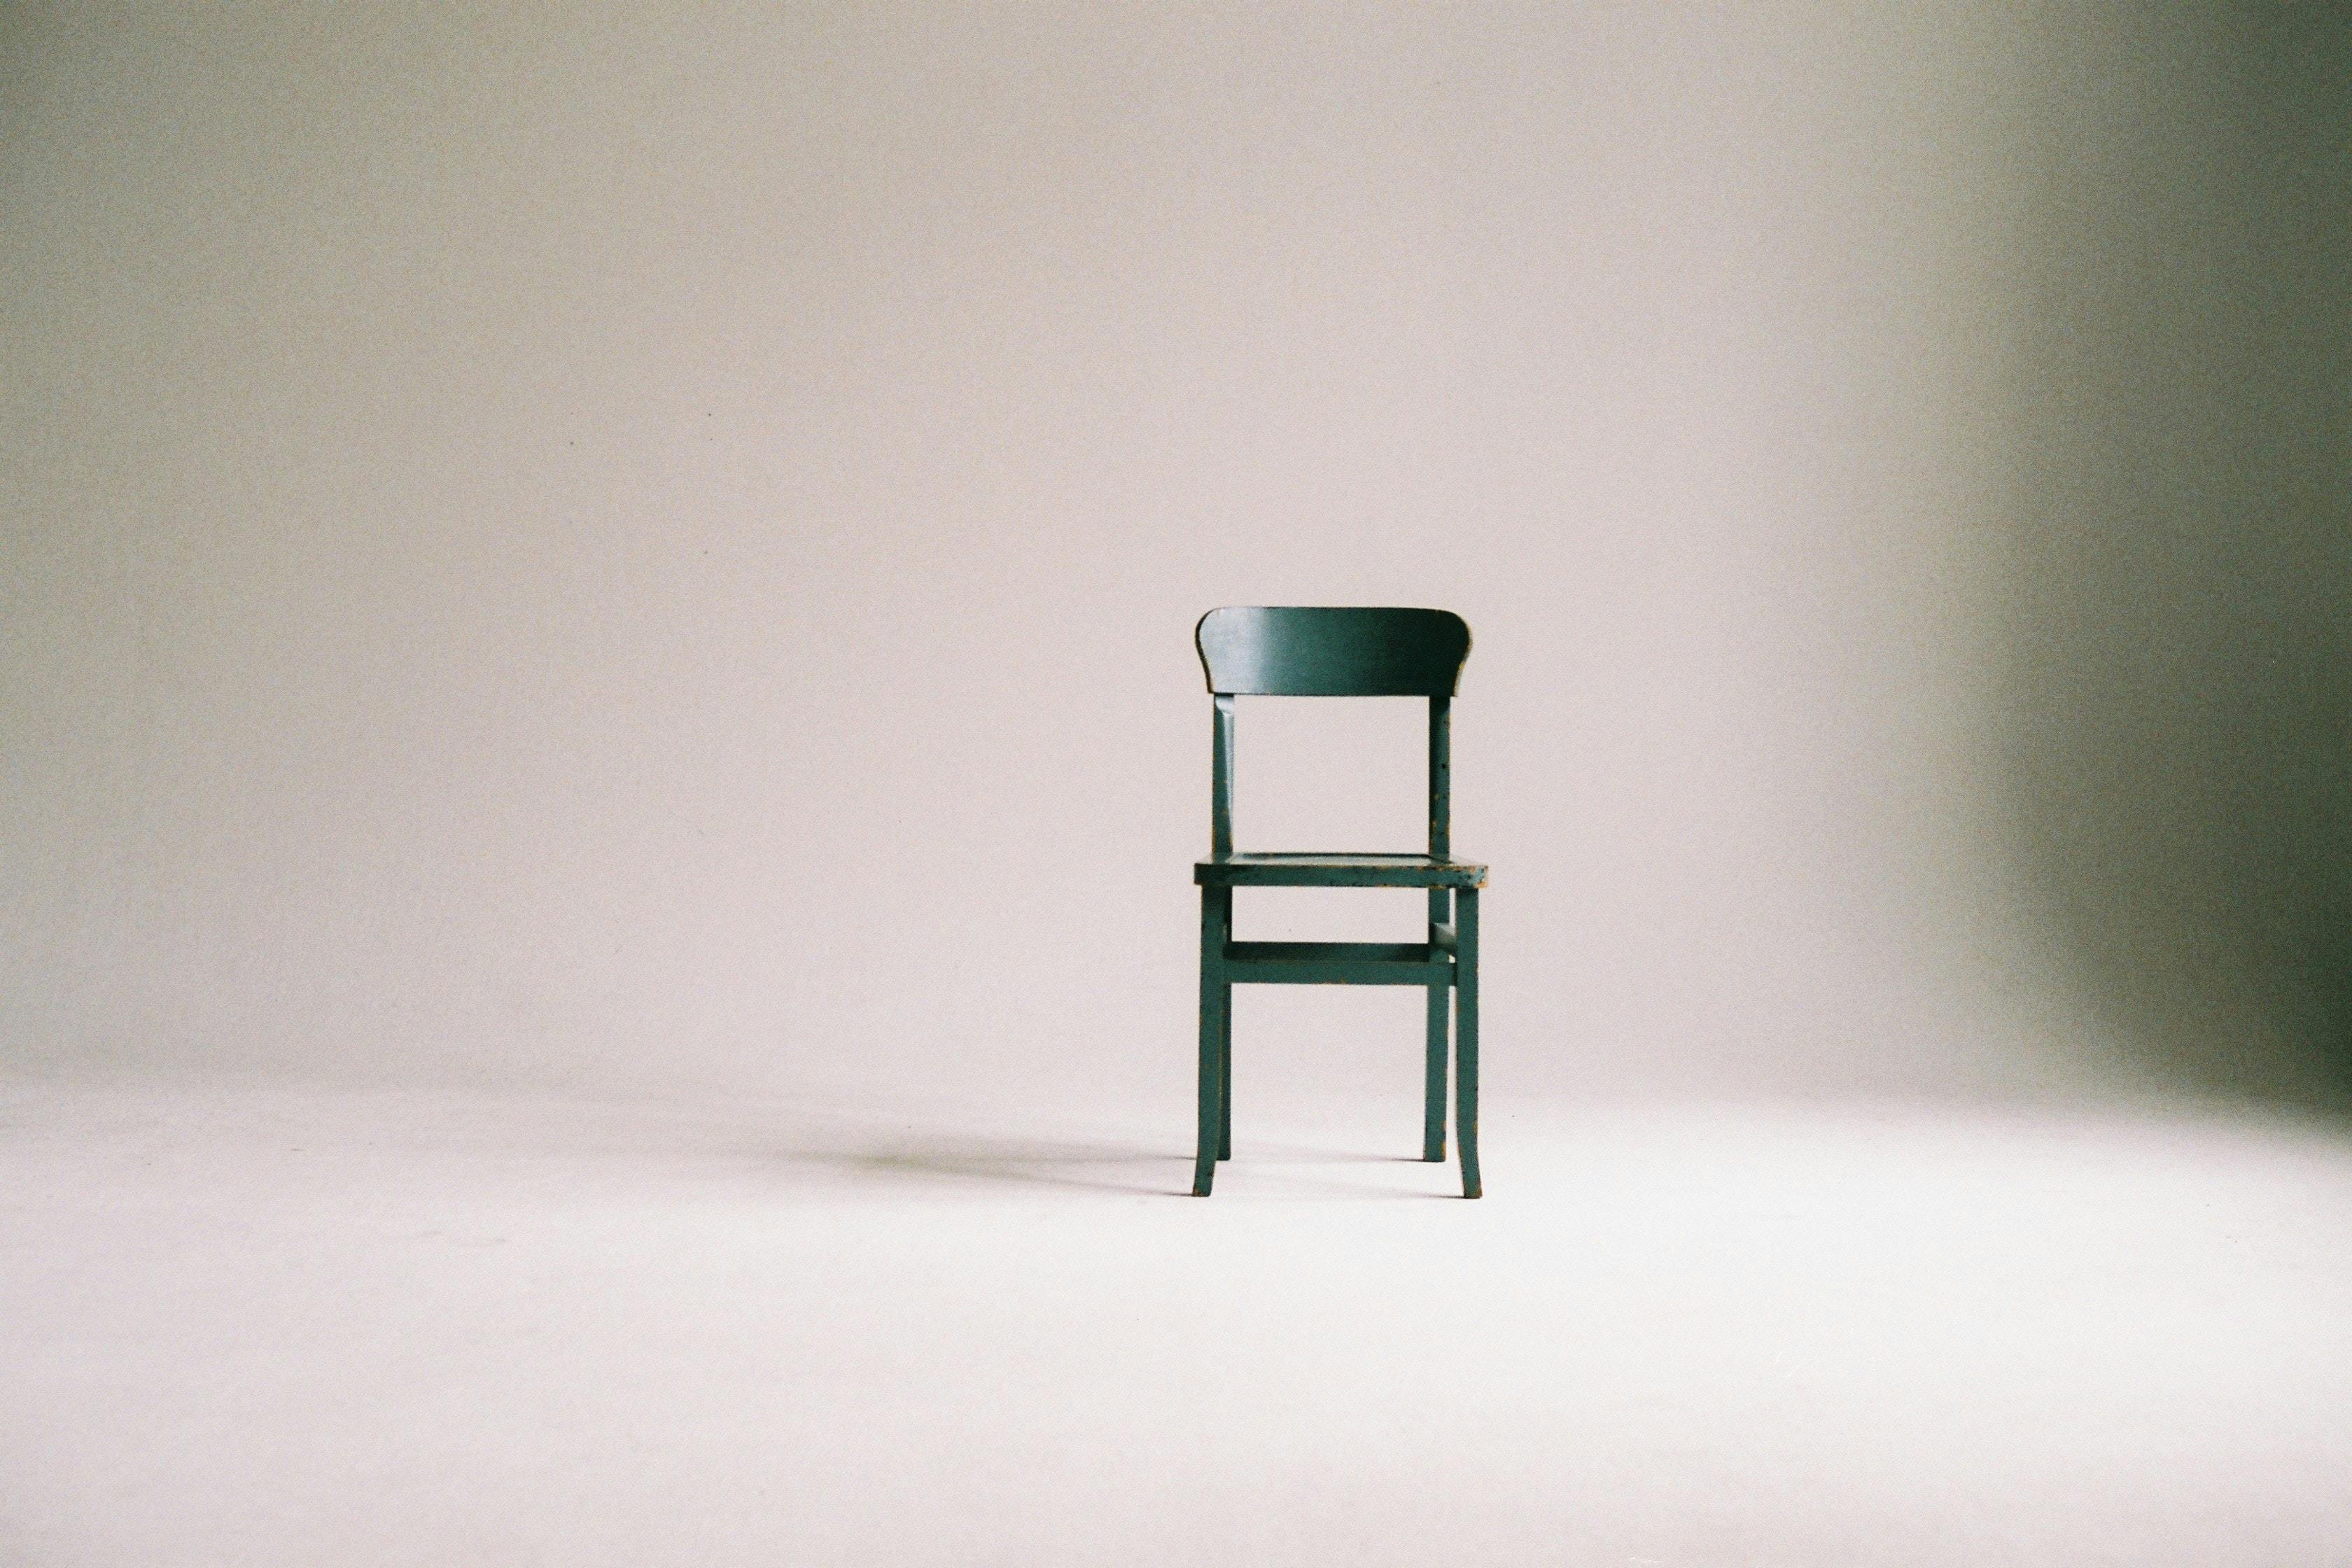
(1288,651)
(1294,651)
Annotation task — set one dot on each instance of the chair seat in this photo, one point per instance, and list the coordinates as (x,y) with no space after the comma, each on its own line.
(1334,870)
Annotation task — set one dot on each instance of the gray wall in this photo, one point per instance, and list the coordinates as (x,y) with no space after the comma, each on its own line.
(629,551)
(2175,697)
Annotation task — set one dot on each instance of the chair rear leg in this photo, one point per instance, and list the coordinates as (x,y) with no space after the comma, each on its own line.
(1213,992)
(1466,1036)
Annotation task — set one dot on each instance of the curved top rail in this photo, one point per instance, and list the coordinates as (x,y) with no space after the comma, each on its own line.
(1313,651)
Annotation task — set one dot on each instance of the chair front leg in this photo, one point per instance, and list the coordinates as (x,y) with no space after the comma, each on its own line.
(1225,1068)
(1432,1093)
(1215,904)
(1466,1036)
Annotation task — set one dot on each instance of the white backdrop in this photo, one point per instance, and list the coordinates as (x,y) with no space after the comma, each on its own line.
(636,551)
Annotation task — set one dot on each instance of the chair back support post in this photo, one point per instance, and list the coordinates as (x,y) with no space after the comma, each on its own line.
(1440,777)
(1221,786)
(1441,847)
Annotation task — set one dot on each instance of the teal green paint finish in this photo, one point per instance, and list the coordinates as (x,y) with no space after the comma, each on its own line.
(1220,782)
(1216,1001)
(1441,774)
(1257,651)
(1465,1038)
(1312,652)
(1441,929)
(1337,963)
(1336,870)
(1440,1000)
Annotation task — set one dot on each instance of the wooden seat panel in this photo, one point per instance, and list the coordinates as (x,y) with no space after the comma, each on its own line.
(1317,869)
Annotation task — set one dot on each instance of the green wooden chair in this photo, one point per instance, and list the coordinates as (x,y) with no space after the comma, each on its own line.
(1338,653)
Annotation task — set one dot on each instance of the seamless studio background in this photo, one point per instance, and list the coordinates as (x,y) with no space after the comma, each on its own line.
(599,755)
(629,552)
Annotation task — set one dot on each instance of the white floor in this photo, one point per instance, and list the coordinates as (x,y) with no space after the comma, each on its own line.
(318,1330)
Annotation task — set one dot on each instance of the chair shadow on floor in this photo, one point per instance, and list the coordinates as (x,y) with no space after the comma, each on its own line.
(1131,1169)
